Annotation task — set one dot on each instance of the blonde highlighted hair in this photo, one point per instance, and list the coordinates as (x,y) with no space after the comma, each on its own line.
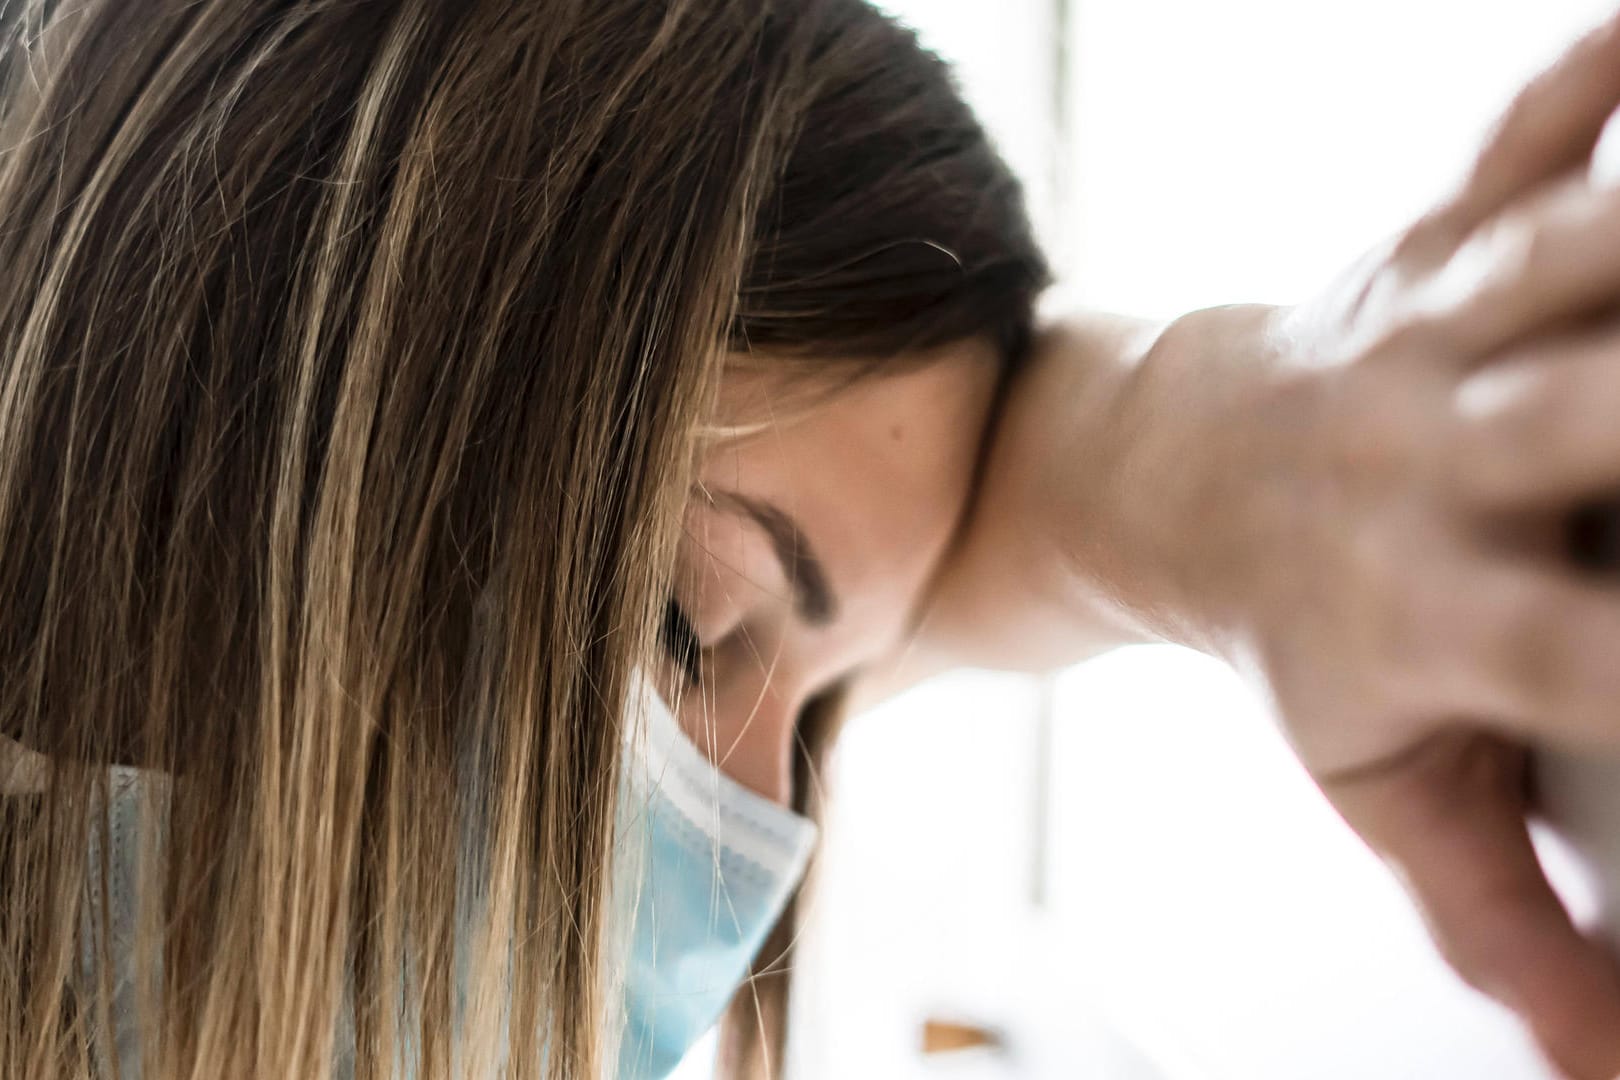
(352,356)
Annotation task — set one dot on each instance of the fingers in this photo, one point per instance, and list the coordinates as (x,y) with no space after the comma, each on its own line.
(1540,429)
(1533,650)
(1449,820)
(1550,128)
(1551,262)
(1527,242)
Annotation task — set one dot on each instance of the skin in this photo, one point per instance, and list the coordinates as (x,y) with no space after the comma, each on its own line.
(875,482)
(1355,502)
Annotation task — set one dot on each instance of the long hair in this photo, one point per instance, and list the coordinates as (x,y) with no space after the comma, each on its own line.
(351,356)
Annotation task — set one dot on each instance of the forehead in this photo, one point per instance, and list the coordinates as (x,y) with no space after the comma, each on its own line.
(876,473)
(793,398)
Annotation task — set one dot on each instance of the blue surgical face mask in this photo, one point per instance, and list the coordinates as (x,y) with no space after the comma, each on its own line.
(703,869)
(710,865)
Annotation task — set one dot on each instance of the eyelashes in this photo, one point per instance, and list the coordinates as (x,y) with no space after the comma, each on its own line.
(680,641)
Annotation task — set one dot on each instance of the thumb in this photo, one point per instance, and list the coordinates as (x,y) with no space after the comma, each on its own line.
(1449,820)
(1551,127)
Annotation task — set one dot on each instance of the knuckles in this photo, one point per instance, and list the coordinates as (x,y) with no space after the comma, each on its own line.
(1495,421)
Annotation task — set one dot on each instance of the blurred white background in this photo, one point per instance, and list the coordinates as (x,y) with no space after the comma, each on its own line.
(1122,871)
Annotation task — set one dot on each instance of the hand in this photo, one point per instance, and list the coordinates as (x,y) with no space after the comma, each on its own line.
(1407,601)
(1360,503)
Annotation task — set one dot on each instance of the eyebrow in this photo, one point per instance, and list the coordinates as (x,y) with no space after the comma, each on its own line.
(812,597)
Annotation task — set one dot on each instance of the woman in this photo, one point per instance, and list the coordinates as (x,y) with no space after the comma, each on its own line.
(395,324)
(449,446)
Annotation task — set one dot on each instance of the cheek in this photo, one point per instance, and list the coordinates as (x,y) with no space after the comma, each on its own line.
(745,725)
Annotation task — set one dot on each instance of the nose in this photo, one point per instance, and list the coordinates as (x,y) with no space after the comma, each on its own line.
(746,728)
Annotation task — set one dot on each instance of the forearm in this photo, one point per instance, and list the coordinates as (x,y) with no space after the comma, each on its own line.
(1104,512)
(1165,495)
